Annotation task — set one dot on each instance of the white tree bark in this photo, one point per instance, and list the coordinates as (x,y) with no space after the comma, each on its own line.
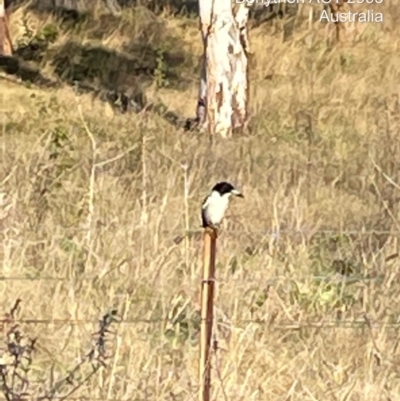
(223,93)
(6,48)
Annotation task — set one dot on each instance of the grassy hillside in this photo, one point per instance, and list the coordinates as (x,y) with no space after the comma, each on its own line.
(94,209)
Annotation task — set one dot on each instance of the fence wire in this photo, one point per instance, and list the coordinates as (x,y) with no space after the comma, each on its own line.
(268,231)
(291,231)
(82,398)
(284,325)
(273,233)
(337,278)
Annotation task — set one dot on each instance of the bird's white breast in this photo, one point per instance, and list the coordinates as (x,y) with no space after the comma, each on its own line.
(215,207)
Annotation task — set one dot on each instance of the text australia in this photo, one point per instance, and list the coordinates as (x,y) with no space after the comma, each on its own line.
(367,16)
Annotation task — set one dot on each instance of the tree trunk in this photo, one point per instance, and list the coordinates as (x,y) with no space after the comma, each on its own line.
(223,93)
(6,48)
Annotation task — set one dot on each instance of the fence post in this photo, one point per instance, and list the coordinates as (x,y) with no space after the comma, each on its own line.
(207,306)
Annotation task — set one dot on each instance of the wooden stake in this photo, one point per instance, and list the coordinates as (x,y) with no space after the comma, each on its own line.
(207,306)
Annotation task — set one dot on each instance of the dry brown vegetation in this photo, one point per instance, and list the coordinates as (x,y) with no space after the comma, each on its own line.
(95,205)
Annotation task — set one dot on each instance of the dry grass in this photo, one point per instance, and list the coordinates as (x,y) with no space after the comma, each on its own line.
(98,201)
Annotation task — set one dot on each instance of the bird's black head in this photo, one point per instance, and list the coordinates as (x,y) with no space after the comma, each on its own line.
(226,188)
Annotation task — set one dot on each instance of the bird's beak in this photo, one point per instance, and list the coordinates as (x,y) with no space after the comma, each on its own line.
(237,193)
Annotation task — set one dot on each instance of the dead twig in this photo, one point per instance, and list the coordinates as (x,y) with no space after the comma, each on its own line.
(96,358)
(17,357)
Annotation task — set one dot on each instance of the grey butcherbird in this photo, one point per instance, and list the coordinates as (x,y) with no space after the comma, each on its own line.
(215,205)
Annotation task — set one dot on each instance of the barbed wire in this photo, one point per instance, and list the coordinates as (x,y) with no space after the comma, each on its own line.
(337,278)
(284,325)
(270,231)
(277,234)
(289,231)
(81,398)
